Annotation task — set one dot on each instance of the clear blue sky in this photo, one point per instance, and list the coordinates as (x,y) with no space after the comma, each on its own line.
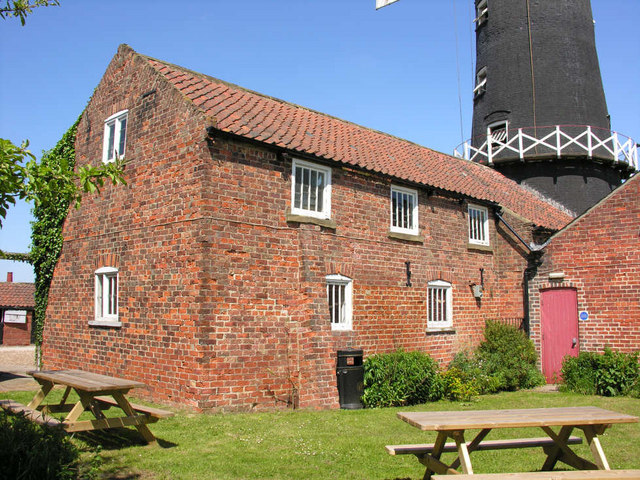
(393,69)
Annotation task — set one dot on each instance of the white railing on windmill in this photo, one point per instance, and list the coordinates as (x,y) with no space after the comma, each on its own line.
(562,141)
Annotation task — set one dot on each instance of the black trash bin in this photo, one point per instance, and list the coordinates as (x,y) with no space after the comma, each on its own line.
(350,373)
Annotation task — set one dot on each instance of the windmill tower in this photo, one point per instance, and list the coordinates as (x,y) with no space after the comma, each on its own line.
(539,111)
(540,115)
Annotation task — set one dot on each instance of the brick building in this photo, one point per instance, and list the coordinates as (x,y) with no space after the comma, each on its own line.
(586,294)
(17,303)
(255,238)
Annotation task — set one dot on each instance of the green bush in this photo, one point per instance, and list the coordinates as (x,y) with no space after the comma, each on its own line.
(471,367)
(31,451)
(578,373)
(459,385)
(400,378)
(608,374)
(508,358)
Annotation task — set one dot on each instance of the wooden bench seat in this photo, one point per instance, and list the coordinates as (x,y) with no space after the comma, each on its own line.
(422,449)
(151,411)
(555,475)
(33,415)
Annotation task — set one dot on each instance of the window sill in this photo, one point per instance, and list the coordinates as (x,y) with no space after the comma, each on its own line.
(323,222)
(435,331)
(481,248)
(406,236)
(105,323)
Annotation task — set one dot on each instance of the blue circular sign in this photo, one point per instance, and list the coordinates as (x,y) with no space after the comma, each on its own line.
(584,315)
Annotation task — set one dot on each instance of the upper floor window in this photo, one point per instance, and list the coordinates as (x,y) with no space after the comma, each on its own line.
(482,12)
(439,305)
(498,134)
(404,210)
(481,82)
(115,136)
(311,189)
(339,297)
(106,295)
(478,225)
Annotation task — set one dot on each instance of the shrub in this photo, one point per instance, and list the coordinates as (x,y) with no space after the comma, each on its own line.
(634,390)
(400,378)
(608,374)
(31,451)
(472,369)
(508,357)
(459,385)
(578,373)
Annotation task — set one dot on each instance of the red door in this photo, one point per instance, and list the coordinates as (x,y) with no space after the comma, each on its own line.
(559,329)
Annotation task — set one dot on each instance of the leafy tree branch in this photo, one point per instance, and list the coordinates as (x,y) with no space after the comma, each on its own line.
(45,183)
(22,8)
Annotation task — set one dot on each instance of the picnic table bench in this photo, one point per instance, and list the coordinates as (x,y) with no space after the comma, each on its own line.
(555,475)
(96,393)
(591,420)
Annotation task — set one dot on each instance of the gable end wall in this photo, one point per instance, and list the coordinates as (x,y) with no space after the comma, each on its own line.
(600,257)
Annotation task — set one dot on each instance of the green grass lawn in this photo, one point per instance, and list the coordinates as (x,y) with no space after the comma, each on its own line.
(335,444)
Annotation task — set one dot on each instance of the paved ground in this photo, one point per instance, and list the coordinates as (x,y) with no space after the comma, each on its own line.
(14,364)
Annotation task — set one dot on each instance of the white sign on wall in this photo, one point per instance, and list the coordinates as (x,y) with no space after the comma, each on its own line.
(384,3)
(15,316)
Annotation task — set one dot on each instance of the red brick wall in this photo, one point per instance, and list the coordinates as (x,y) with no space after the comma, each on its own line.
(222,301)
(600,256)
(150,230)
(17,333)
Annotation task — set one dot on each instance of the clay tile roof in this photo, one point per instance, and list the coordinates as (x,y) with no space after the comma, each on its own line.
(17,295)
(259,117)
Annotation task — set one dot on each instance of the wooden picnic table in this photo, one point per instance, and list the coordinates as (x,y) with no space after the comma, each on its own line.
(592,421)
(96,393)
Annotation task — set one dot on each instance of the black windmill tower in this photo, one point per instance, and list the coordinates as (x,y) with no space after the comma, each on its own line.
(540,115)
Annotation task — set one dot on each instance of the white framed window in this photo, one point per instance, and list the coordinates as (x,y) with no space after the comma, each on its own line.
(482,12)
(404,210)
(106,296)
(310,189)
(115,136)
(478,225)
(339,298)
(498,134)
(481,82)
(15,316)
(439,305)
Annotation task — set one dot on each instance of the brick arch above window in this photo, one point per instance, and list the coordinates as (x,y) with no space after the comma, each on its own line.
(107,260)
(338,268)
(443,274)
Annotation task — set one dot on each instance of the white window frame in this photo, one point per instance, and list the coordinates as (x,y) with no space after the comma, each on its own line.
(498,126)
(406,222)
(15,316)
(116,120)
(342,289)
(482,12)
(439,291)
(105,300)
(325,208)
(481,82)
(478,228)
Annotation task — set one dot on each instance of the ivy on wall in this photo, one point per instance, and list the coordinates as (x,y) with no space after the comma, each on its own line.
(46,229)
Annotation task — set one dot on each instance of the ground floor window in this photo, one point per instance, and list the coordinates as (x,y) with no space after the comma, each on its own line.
(339,298)
(106,295)
(439,308)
